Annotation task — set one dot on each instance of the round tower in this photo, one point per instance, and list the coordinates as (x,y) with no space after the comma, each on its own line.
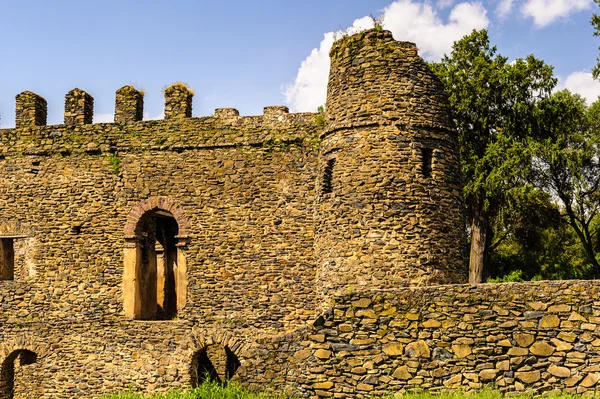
(389,205)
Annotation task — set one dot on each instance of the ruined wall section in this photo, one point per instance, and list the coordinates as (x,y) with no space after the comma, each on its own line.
(389,203)
(246,185)
(113,356)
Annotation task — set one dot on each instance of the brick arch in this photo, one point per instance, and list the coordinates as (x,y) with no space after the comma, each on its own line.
(153,204)
(21,343)
(202,339)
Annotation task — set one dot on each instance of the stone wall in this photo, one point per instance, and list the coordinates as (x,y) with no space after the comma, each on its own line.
(245,188)
(532,337)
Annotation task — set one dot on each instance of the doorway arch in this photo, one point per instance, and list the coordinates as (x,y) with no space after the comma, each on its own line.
(155,266)
(214,363)
(12,369)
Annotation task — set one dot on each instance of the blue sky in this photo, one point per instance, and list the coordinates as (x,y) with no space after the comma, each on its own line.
(249,54)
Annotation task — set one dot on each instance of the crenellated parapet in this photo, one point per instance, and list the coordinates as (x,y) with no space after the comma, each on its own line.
(31,111)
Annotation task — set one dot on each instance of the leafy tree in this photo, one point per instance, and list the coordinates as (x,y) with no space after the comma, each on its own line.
(596,24)
(567,166)
(536,244)
(494,109)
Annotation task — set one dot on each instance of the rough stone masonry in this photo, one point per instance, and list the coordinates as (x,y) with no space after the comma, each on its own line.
(317,254)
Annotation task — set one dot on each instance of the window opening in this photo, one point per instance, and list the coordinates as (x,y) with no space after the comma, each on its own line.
(327,186)
(427,161)
(7,258)
(157,262)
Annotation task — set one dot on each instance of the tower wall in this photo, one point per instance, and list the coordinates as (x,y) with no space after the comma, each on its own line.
(389,210)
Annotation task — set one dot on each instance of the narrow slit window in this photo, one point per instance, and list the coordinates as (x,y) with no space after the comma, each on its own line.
(327,186)
(7,259)
(427,161)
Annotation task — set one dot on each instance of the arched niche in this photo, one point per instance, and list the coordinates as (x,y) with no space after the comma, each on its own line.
(213,363)
(14,372)
(155,266)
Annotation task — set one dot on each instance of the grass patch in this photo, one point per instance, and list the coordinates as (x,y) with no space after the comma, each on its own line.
(213,390)
(486,393)
(208,390)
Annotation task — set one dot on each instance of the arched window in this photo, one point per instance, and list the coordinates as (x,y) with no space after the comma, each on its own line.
(155,267)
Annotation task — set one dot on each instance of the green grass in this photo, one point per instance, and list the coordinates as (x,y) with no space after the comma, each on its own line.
(486,393)
(211,390)
(208,390)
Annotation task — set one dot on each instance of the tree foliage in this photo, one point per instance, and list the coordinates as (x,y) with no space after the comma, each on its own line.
(494,109)
(596,24)
(567,166)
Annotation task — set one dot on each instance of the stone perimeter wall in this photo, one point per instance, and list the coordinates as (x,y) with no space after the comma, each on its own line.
(528,337)
(533,337)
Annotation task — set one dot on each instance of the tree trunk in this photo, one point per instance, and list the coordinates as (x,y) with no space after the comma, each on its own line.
(479,230)
(584,235)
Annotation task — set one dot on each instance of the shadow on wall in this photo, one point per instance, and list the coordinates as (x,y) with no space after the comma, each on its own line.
(214,363)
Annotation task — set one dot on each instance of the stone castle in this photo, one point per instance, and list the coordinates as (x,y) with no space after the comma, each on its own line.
(321,255)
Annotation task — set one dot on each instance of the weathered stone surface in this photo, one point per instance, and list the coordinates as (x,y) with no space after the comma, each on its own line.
(402,373)
(561,345)
(417,349)
(558,371)
(550,321)
(541,349)
(322,354)
(393,349)
(453,382)
(461,350)
(362,303)
(503,365)
(431,324)
(488,374)
(323,385)
(523,340)
(528,377)
(561,308)
(589,381)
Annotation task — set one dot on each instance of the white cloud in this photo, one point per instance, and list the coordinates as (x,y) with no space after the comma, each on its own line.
(582,83)
(504,8)
(409,20)
(545,12)
(104,118)
(309,89)
(418,22)
(444,3)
